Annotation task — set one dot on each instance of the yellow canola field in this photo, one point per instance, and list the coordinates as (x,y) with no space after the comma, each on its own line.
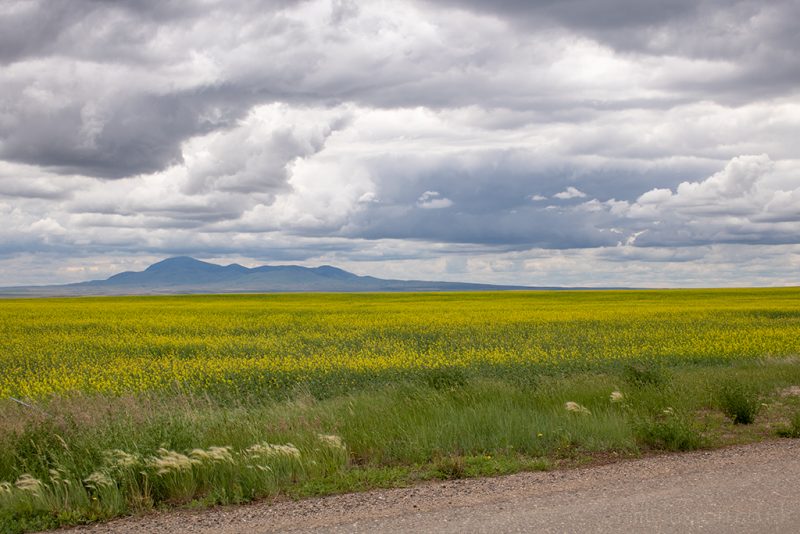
(269,342)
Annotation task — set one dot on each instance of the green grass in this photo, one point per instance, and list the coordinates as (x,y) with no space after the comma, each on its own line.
(394,436)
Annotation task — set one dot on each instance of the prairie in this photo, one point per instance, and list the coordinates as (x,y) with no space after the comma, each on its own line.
(111,406)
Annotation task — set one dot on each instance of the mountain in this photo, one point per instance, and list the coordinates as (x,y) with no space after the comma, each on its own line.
(183,275)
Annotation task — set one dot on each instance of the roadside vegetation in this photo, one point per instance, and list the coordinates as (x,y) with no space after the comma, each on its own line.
(443,386)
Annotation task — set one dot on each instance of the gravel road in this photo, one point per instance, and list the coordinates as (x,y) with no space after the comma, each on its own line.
(751,488)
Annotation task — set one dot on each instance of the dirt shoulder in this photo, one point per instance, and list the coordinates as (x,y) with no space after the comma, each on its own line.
(742,488)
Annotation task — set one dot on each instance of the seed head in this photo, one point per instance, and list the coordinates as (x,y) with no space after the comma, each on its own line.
(574,407)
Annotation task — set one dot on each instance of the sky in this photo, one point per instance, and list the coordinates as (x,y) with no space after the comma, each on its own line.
(530,142)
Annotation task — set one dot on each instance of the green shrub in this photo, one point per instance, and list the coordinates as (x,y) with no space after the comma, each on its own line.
(738,402)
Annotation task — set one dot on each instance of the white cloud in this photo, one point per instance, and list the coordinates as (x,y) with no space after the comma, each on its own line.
(255,156)
(368,197)
(738,189)
(751,200)
(570,192)
(432,200)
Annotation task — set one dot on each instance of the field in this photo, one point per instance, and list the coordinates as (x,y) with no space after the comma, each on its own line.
(133,403)
(267,344)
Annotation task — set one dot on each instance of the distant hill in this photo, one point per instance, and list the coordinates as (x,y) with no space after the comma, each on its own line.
(182,275)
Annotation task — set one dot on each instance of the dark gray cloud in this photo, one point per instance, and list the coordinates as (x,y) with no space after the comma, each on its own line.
(210,63)
(78,85)
(695,28)
(133,135)
(759,37)
(521,229)
(119,31)
(114,122)
(586,14)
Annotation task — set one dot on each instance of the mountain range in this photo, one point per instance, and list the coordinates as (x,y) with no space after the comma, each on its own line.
(183,275)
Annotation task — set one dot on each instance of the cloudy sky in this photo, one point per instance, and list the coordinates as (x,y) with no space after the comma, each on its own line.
(542,142)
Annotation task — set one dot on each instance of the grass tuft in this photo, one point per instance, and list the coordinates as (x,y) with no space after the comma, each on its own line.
(792,430)
(738,402)
(450,468)
(668,432)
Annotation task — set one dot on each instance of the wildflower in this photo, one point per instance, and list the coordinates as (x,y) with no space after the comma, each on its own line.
(271,451)
(28,483)
(171,461)
(213,454)
(574,407)
(332,441)
(98,480)
(617,396)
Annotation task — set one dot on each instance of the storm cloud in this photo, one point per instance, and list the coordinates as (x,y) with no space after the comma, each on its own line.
(607,142)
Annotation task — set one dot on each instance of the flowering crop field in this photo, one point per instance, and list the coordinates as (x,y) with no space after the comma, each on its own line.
(270,343)
(141,403)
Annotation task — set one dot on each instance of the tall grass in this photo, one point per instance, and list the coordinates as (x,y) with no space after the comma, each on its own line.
(95,457)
